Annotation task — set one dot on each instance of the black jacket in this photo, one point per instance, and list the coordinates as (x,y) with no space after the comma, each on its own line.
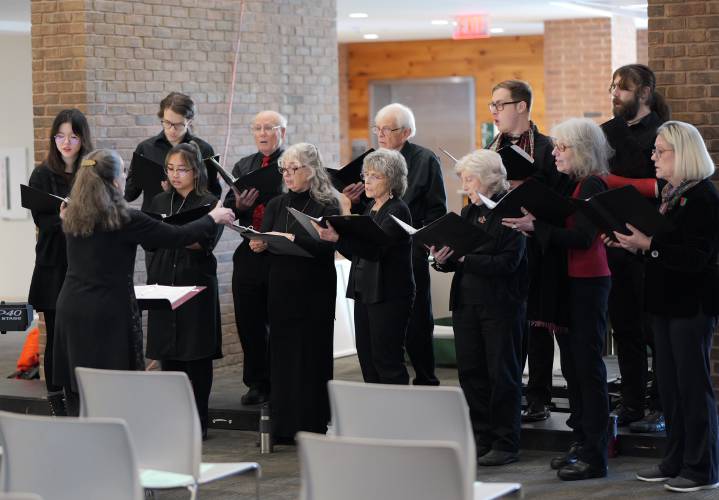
(156,149)
(682,275)
(494,275)
(632,146)
(50,253)
(192,331)
(425,195)
(379,274)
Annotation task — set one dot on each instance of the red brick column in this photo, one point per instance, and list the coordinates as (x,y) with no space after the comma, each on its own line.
(684,53)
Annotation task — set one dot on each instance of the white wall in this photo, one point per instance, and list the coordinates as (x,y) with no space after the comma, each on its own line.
(17,244)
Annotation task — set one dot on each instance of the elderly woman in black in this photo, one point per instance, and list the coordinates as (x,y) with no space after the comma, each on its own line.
(380,280)
(488,301)
(301,298)
(682,298)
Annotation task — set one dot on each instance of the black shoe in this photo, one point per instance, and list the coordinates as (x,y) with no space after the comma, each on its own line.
(685,485)
(254,396)
(653,475)
(626,415)
(571,457)
(580,470)
(535,412)
(497,457)
(652,422)
(483,450)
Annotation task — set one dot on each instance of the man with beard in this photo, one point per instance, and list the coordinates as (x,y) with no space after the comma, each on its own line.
(638,111)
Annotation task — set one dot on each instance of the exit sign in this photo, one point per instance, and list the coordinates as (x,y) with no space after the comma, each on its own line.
(471,26)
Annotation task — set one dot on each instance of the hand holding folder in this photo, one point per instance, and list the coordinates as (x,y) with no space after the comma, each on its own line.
(40,201)
(181,218)
(349,174)
(149,175)
(267,181)
(276,243)
(535,197)
(362,227)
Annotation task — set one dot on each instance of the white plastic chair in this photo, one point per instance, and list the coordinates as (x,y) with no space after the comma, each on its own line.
(413,413)
(68,458)
(335,468)
(160,411)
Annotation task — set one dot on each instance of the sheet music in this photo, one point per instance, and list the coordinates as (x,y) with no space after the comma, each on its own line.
(404,225)
(487,202)
(171,293)
(522,153)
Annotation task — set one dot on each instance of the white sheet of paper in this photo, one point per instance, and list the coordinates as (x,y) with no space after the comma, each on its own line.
(171,293)
(522,153)
(404,225)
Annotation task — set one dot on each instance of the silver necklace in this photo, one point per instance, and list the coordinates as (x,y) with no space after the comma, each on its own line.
(172,202)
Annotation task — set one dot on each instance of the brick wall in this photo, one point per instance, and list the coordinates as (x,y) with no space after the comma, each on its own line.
(684,53)
(579,58)
(117,59)
(642,47)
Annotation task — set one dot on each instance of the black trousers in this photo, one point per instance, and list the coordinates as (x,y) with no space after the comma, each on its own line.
(488,350)
(683,348)
(199,372)
(631,329)
(251,318)
(538,351)
(379,335)
(49,317)
(583,368)
(421,324)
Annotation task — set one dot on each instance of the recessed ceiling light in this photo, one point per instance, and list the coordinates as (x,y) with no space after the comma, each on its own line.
(370,36)
(358,15)
(440,22)
(496,30)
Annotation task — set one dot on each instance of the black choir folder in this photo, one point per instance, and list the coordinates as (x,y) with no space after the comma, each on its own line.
(267,181)
(611,210)
(362,227)
(149,175)
(181,218)
(40,201)
(276,244)
(164,297)
(349,174)
(449,230)
(518,163)
(535,197)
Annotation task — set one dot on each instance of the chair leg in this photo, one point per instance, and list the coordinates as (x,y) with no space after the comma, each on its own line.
(258,475)
(149,494)
(193,491)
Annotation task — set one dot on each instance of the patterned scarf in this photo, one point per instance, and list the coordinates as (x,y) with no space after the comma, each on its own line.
(524,140)
(671,196)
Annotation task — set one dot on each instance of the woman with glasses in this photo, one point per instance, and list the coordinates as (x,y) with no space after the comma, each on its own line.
(69,141)
(189,338)
(380,280)
(176,114)
(581,151)
(681,281)
(301,298)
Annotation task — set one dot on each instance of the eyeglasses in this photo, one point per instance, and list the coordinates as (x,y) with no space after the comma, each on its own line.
(499,105)
(384,130)
(60,138)
(561,147)
(372,177)
(659,152)
(258,129)
(179,171)
(167,125)
(291,168)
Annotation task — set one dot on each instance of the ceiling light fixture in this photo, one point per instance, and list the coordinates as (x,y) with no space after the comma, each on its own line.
(582,8)
(496,30)
(358,15)
(370,36)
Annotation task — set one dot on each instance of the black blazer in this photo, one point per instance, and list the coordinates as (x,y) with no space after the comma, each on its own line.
(381,273)
(682,275)
(495,275)
(425,195)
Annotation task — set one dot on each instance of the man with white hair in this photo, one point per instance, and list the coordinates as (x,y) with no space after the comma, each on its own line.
(249,274)
(394,125)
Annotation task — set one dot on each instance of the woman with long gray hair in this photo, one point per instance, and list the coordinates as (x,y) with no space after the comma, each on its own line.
(301,299)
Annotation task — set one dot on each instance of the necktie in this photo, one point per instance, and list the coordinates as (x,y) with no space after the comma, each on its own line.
(259,210)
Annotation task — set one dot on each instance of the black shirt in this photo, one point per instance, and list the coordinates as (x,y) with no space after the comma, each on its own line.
(632,146)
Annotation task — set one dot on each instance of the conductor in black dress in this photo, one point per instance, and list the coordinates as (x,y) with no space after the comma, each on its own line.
(301,300)
(190,338)
(176,114)
(250,269)
(427,201)
(69,141)
(380,279)
(98,320)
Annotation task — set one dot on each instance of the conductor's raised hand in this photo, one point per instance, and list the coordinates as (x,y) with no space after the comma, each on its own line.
(222,215)
(326,233)
(246,199)
(165,185)
(442,254)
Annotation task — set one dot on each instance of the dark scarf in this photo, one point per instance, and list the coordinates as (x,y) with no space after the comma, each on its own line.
(671,196)
(524,141)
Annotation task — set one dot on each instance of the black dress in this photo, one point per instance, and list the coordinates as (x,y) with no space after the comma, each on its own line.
(301,305)
(50,259)
(98,321)
(382,286)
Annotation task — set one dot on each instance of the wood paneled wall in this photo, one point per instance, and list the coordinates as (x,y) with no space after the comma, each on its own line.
(489,61)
